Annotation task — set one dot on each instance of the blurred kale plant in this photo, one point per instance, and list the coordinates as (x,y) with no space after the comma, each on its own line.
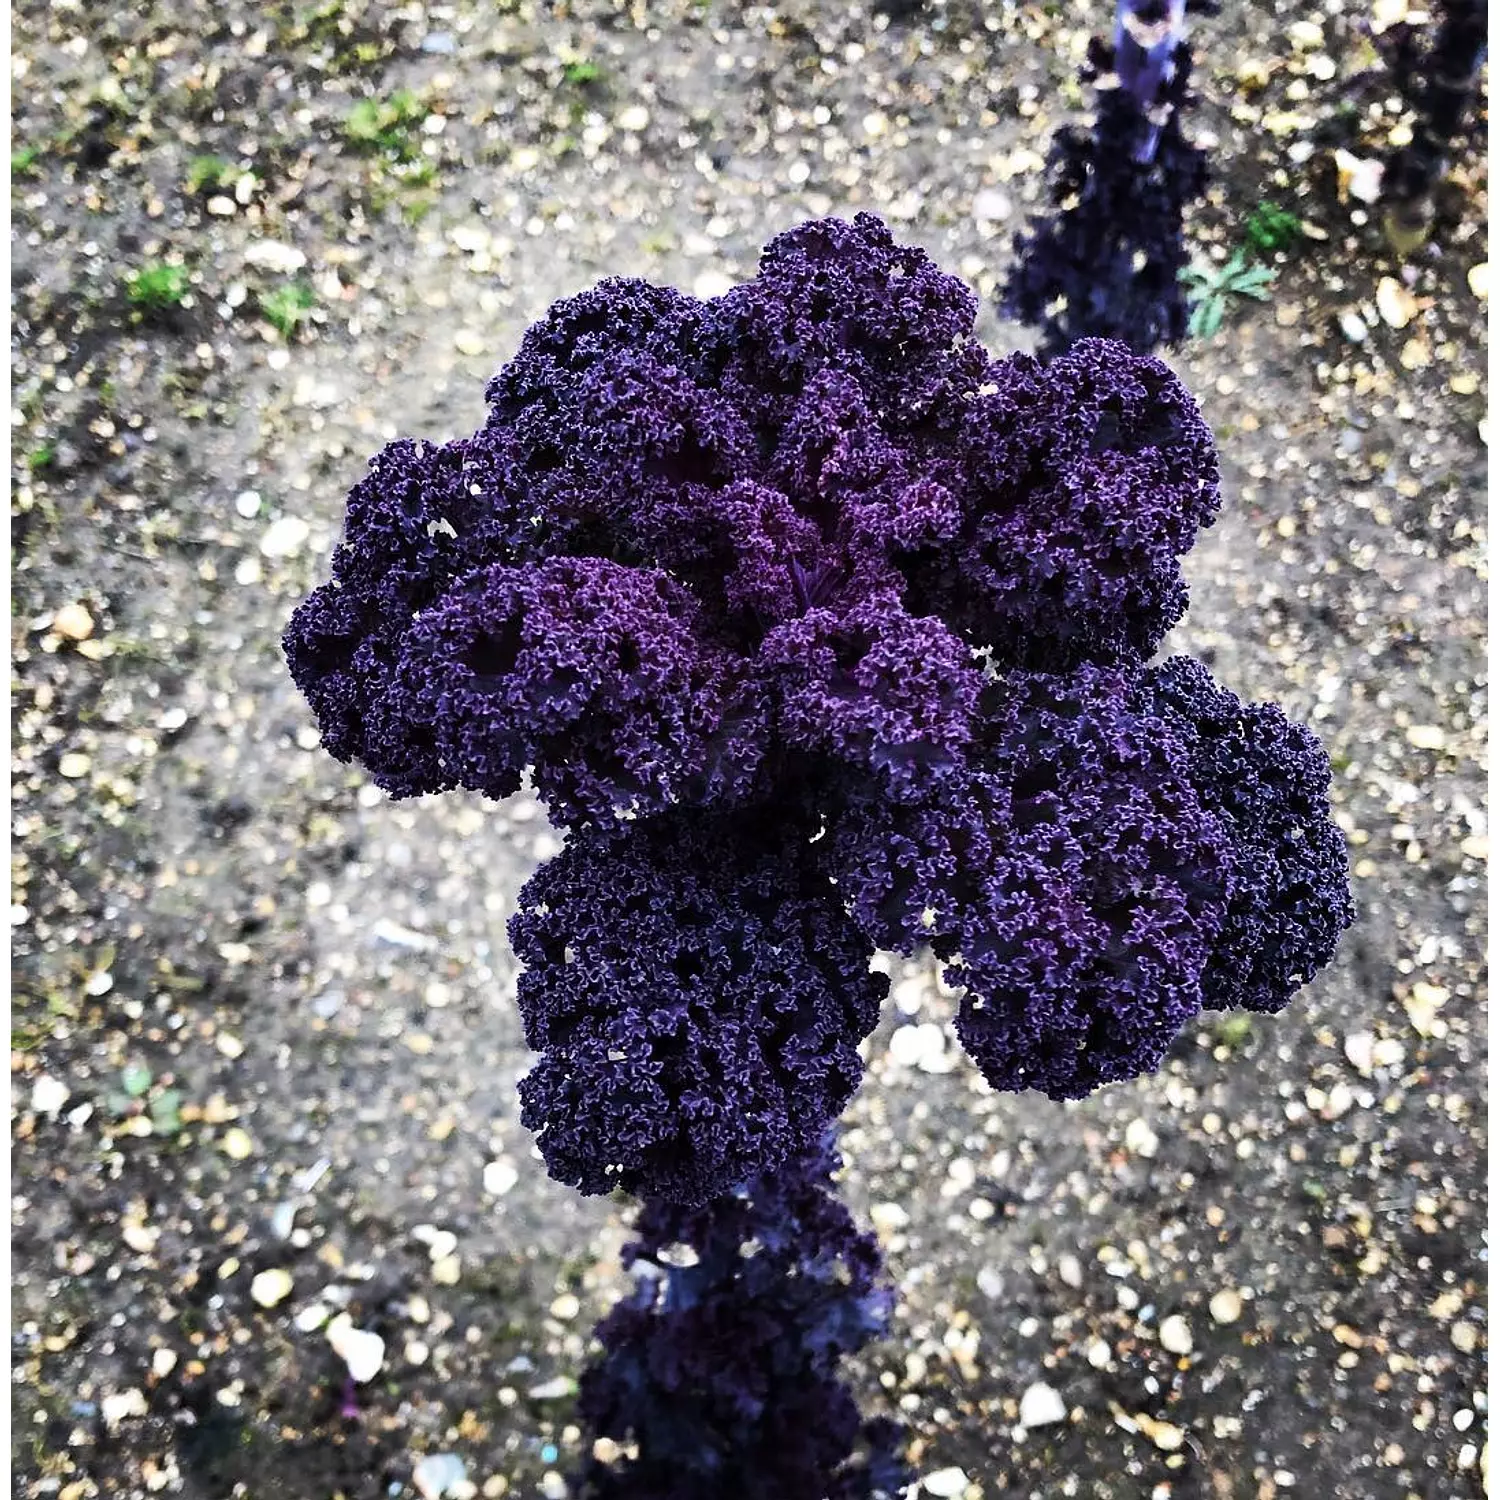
(1107,261)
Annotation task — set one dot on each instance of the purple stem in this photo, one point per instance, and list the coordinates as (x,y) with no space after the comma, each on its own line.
(1147,35)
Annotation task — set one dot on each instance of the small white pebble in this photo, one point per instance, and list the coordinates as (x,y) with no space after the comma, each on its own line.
(48,1095)
(440,1243)
(285,537)
(1176,1335)
(1140,1138)
(635,117)
(73,623)
(163,1362)
(1041,1406)
(361,1351)
(946,1482)
(710,284)
(1226,1306)
(247,503)
(499,1178)
(271,1287)
(122,1404)
(311,1318)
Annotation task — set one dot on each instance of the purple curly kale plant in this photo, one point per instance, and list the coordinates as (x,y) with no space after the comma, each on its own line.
(720,1371)
(820,631)
(1108,261)
(1437,71)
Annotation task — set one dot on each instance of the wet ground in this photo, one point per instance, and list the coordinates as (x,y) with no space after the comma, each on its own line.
(264,1019)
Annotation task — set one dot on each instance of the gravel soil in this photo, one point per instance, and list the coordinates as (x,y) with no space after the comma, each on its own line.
(265,1045)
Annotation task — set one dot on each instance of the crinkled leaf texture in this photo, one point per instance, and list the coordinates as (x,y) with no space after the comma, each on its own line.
(820,630)
(721,1367)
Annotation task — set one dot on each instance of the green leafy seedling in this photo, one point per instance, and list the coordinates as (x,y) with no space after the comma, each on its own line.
(386,125)
(157,288)
(166,1112)
(1270,228)
(23,162)
(208,172)
(135,1079)
(581,74)
(1233,1030)
(1209,291)
(288,307)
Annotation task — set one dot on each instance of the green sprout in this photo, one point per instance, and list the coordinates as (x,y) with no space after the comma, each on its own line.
(1270,228)
(157,288)
(288,307)
(1209,291)
(23,162)
(41,458)
(136,1095)
(1233,1030)
(581,74)
(385,125)
(208,172)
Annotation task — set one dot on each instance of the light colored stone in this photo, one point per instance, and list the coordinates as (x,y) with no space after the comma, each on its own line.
(271,1287)
(710,284)
(499,1178)
(1226,1306)
(1176,1335)
(361,1351)
(441,1243)
(116,1407)
(1140,1138)
(946,1482)
(1041,1406)
(438,1474)
(285,537)
(1426,736)
(272,255)
(48,1095)
(73,623)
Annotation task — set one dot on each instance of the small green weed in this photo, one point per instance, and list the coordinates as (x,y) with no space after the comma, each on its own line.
(23,162)
(1209,291)
(1233,1030)
(582,74)
(136,1096)
(157,288)
(206,172)
(387,126)
(1270,228)
(288,307)
(41,458)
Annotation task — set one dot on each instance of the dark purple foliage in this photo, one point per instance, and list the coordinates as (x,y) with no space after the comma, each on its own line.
(1437,72)
(697,995)
(1107,261)
(722,1366)
(1266,780)
(819,629)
